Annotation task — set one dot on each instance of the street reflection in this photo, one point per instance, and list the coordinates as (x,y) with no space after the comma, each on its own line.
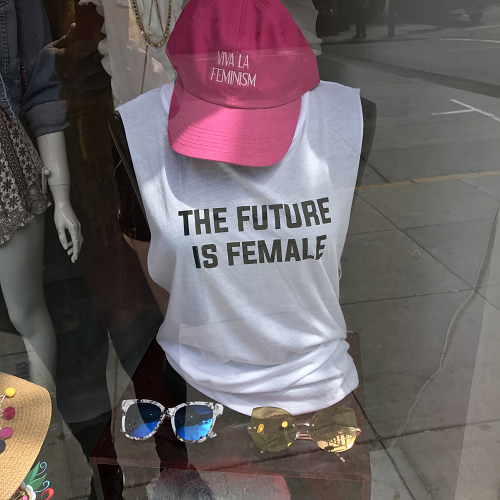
(421,265)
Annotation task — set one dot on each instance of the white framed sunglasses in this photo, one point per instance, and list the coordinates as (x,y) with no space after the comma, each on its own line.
(191,422)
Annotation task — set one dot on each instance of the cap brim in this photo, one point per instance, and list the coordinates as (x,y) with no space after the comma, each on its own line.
(30,425)
(250,137)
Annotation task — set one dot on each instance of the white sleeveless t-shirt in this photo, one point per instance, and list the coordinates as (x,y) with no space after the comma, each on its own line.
(251,255)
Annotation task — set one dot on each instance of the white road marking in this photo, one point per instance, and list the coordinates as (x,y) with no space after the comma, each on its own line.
(483,27)
(458,112)
(469,109)
(477,110)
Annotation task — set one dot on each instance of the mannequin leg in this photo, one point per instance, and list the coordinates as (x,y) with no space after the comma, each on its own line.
(358,23)
(362,20)
(21,279)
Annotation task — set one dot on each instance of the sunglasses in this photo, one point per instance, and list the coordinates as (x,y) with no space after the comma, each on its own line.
(191,422)
(333,429)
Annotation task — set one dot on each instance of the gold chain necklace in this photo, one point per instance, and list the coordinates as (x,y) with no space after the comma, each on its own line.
(145,34)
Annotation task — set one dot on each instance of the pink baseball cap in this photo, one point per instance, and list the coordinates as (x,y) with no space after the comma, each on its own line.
(242,67)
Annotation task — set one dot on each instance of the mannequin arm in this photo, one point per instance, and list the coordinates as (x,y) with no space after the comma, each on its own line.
(52,148)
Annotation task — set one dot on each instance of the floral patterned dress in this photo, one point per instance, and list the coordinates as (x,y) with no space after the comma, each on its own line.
(21,196)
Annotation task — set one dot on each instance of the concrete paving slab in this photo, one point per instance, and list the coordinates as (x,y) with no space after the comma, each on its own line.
(430,203)
(434,457)
(478,470)
(433,160)
(460,246)
(489,185)
(401,345)
(493,277)
(365,219)
(412,481)
(386,482)
(484,404)
(445,400)
(492,294)
(388,264)
(371,177)
(393,477)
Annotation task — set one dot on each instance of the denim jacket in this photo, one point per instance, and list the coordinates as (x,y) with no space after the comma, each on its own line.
(27,67)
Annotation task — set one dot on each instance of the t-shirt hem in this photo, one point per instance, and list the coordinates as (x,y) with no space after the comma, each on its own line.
(294,408)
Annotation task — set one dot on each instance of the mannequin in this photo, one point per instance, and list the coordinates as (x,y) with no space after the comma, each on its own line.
(187,181)
(29,85)
(21,265)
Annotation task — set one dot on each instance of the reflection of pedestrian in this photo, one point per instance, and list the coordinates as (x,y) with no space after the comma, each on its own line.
(360,11)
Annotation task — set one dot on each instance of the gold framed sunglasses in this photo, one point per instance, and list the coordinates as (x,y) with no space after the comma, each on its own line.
(333,429)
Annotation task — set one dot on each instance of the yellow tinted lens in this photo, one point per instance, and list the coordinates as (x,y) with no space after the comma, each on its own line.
(273,429)
(334,429)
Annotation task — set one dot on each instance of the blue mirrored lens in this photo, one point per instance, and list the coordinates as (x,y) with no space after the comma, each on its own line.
(141,419)
(193,422)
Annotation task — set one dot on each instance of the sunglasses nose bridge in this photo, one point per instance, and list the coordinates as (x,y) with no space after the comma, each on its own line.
(163,416)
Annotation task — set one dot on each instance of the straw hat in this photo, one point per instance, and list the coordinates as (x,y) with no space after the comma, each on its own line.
(29,425)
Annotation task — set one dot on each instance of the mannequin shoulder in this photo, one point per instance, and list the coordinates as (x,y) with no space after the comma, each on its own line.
(335,93)
(144,105)
(334,99)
